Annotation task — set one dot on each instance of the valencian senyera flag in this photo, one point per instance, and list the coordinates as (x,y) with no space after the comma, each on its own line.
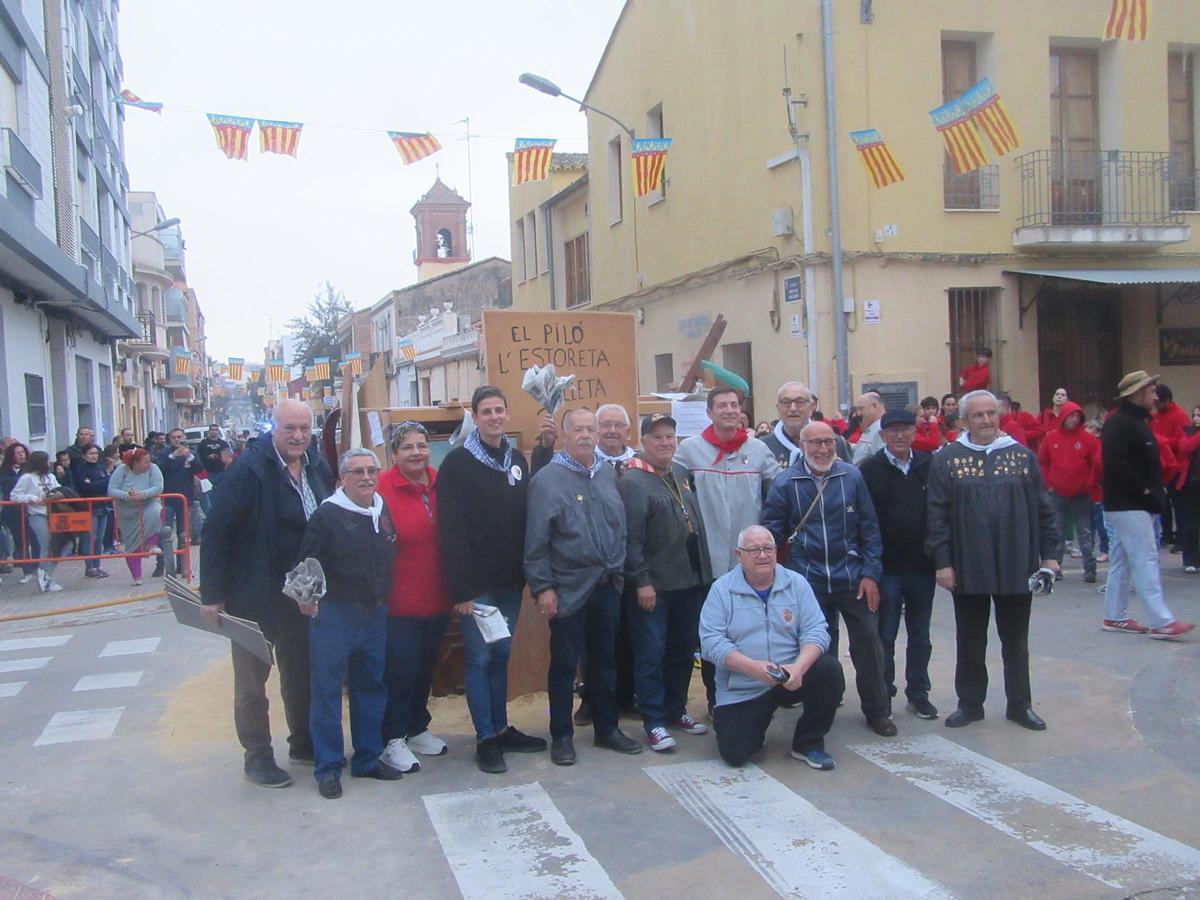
(129,98)
(355,363)
(531,159)
(320,368)
(407,350)
(277,372)
(881,165)
(233,134)
(310,373)
(988,112)
(183,361)
(953,122)
(279,137)
(414,145)
(649,156)
(1128,19)
(236,367)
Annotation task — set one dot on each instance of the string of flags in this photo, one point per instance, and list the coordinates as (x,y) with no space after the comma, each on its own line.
(649,156)
(1128,19)
(183,361)
(236,367)
(878,159)
(531,159)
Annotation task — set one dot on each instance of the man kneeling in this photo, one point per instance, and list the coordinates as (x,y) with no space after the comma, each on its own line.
(768,661)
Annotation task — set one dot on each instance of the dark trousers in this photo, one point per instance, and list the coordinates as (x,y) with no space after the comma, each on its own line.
(866,649)
(742,727)
(594,626)
(413,644)
(908,595)
(290,639)
(664,647)
(347,646)
(1187,508)
(971,615)
(624,654)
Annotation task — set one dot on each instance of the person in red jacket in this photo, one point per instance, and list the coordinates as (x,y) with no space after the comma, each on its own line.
(978,375)
(1168,424)
(929,437)
(1032,425)
(1070,460)
(419,608)
(1051,417)
(1187,483)
(1010,423)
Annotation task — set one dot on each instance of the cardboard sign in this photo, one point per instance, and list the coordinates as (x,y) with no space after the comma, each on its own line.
(597,348)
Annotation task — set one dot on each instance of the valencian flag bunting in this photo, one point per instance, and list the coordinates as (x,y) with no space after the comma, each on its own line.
(233,134)
(407,350)
(1128,19)
(531,159)
(236,367)
(413,145)
(278,137)
(310,373)
(649,155)
(354,362)
(183,361)
(988,112)
(881,165)
(129,98)
(953,122)
(321,368)
(277,372)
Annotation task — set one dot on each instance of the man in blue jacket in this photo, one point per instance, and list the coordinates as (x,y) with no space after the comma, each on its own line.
(821,510)
(762,628)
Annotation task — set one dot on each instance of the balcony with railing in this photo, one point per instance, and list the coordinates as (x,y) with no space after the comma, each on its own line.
(151,342)
(1112,200)
(21,165)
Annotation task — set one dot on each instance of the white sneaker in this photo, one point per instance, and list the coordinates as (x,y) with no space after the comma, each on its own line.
(397,755)
(43,579)
(24,579)
(53,587)
(427,744)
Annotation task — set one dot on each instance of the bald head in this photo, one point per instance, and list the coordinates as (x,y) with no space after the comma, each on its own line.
(870,407)
(291,431)
(819,444)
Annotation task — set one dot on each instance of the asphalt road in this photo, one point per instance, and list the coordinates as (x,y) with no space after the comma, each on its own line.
(122,778)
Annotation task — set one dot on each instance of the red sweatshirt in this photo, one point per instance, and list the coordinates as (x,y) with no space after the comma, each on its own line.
(1070,458)
(419,587)
(1033,428)
(1011,425)
(974,378)
(1168,425)
(928,437)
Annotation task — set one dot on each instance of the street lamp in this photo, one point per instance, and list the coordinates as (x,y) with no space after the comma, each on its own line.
(166,223)
(546,86)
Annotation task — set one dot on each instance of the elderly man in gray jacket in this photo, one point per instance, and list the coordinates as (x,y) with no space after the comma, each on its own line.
(764,630)
(574,560)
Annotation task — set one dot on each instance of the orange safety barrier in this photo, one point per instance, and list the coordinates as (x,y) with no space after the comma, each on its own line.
(70,518)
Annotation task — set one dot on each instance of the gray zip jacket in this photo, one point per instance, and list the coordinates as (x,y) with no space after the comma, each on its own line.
(574,534)
(734,618)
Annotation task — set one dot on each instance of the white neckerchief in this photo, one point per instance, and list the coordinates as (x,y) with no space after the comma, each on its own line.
(1002,440)
(624,456)
(375,510)
(781,435)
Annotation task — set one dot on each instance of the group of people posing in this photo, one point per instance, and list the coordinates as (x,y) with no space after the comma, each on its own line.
(754,551)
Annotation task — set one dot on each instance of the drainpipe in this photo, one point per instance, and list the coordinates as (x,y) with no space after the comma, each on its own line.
(835,213)
(810,277)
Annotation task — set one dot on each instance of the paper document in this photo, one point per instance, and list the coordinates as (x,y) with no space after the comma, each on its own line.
(492,626)
(691,417)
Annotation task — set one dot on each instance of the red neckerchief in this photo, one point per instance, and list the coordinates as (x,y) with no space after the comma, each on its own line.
(726,448)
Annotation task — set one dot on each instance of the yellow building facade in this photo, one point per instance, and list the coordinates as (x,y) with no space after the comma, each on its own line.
(1074,257)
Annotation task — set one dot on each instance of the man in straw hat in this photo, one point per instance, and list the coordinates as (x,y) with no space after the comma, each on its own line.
(1133,495)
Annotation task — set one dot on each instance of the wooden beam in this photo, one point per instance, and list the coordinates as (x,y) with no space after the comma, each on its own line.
(710,344)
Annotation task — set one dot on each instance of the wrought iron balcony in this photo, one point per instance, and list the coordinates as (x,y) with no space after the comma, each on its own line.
(149,342)
(1112,200)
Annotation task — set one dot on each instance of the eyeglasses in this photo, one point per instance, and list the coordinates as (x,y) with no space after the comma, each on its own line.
(821,442)
(370,472)
(759,551)
(793,401)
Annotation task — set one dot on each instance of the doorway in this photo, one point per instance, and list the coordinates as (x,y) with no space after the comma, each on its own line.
(1079,346)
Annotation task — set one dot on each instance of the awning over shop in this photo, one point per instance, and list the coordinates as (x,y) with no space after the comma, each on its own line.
(1116,276)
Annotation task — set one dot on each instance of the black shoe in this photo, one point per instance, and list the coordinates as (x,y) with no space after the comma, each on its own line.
(562,751)
(1026,718)
(1089,577)
(961,717)
(616,740)
(583,715)
(883,726)
(6,569)
(158,569)
(301,755)
(265,773)
(923,709)
(381,771)
(330,786)
(512,741)
(489,757)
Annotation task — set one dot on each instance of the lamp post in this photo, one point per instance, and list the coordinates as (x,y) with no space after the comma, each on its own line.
(165,223)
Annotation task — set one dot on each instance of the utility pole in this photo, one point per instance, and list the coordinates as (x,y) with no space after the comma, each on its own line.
(835,213)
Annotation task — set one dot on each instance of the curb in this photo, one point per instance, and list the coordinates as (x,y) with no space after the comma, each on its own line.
(44,613)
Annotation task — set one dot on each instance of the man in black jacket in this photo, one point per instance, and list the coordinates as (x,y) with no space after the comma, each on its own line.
(251,540)
(896,477)
(179,466)
(1133,495)
(481,491)
(351,535)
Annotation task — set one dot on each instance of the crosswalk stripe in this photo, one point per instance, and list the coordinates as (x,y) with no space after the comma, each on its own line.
(128,648)
(24,665)
(513,842)
(1107,847)
(11,688)
(108,680)
(34,643)
(80,725)
(796,848)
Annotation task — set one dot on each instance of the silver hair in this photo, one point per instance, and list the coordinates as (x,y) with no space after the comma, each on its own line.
(791,384)
(741,538)
(612,407)
(975,395)
(284,404)
(344,459)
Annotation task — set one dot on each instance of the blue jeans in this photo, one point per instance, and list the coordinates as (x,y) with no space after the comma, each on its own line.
(173,516)
(1098,527)
(907,594)
(1133,557)
(413,643)
(664,647)
(594,627)
(347,645)
(1079,510)
(94,542)
(486,666)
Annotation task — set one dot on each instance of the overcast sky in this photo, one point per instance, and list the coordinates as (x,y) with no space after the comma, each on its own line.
(263,235)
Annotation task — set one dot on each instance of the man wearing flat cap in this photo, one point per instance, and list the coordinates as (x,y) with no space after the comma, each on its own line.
(1133,495)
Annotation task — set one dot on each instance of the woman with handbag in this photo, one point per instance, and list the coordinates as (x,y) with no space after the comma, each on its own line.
(136,484)
(36,489)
